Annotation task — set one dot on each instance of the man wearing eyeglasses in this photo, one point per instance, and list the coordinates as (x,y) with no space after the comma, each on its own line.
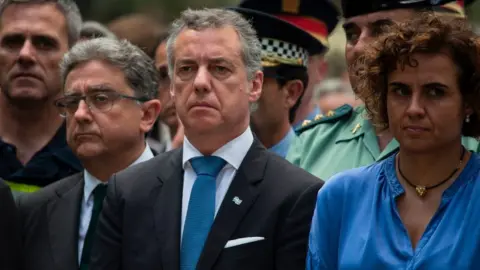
(109,103)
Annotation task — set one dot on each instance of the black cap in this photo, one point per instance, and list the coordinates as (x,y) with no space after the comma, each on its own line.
(282,42)
(352,8)
(317,17)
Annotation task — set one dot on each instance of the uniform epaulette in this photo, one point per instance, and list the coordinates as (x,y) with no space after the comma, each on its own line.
(329,117)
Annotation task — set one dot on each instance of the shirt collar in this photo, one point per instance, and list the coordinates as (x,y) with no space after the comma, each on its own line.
(281,148)
(233,152)
(146,155)
(91,182)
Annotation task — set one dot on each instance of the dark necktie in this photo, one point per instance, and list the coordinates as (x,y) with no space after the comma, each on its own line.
(201,209)
(98,195)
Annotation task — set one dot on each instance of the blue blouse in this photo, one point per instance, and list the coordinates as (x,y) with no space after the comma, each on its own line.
(356,224)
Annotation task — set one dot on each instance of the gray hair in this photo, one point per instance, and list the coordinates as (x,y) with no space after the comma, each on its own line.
(217,18)
(68,8)
(92,29)
(139,69)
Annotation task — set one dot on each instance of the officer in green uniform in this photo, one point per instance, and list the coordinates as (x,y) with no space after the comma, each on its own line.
(344,139)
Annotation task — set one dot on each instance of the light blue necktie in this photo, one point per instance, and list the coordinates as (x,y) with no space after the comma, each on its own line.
(201,209)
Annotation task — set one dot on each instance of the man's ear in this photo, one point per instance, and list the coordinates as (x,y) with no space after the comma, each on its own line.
(256,87)
(293,91)
(151,110)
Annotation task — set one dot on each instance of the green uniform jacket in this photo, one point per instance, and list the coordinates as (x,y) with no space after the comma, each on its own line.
(341,140)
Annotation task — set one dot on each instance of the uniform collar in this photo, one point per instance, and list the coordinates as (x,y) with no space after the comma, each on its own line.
(311,116)
(281,148)
(357,126)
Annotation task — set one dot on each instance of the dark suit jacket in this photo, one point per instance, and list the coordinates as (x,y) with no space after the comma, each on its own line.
(139,227)
(49,223)
(9,230)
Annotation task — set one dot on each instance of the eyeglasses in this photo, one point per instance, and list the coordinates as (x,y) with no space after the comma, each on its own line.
(98,101)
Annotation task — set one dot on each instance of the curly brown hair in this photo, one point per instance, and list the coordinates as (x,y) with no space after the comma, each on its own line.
(427,33)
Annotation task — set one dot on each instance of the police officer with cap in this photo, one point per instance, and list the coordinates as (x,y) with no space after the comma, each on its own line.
(344,139)
(285,51)
(317,17)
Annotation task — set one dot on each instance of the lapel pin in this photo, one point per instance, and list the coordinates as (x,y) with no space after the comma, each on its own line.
(237,200)
(355,129)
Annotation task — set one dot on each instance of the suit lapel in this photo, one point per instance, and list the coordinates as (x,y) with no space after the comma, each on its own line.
(63,222)
(168,209)
(240,196)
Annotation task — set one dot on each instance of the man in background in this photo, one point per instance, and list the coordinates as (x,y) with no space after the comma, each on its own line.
(34,35)
(167,133)
(317,17)
(284,62)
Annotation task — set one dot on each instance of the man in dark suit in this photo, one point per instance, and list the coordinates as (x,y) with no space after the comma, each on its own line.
(109,105)
(222,201)
(9,230)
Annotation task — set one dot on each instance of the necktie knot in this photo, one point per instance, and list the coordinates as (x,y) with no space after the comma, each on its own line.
(207,165)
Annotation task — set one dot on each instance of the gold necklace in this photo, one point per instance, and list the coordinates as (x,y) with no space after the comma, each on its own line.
(422,190)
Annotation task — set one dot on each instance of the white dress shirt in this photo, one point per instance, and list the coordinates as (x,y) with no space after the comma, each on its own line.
(233,153)
(87,202)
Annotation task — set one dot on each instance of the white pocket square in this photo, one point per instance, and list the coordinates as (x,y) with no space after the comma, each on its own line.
(243,241)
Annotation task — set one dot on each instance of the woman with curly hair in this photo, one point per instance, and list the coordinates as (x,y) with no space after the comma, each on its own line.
(417,209)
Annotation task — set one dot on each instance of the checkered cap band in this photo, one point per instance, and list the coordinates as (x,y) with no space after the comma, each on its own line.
(282,52)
